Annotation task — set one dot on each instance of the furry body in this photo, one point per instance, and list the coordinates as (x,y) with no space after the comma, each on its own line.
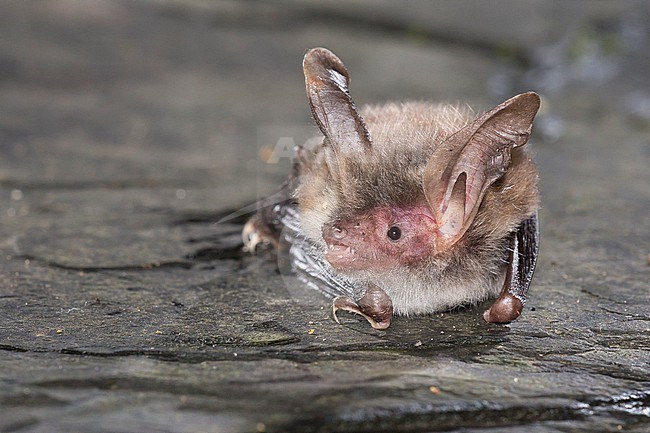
(404,137)
(409,208)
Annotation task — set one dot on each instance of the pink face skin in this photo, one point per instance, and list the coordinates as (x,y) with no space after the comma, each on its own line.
(381,239)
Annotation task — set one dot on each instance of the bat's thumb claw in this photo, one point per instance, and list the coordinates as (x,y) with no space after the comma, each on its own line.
(335,308)
(379,317)
(254,234)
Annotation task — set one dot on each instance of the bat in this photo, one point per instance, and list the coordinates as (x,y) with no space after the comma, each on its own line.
(408,208)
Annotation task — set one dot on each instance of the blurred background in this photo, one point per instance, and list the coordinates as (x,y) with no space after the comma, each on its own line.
(193,95)
(128,128)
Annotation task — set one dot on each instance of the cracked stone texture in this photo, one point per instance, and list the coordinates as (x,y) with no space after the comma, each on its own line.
(128,129)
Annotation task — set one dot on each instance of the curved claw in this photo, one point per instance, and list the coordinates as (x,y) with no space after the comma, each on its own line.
(375,306)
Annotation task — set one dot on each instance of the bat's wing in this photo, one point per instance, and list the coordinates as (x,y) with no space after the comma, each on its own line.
(266,224)
(521,266)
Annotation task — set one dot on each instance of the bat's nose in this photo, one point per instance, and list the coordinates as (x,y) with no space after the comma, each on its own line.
(334,232)
(338,232)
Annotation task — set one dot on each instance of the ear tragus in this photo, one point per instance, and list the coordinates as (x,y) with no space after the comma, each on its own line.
(475,156)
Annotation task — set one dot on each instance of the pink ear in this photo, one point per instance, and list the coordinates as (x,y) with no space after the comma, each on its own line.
(461,169)
(327,81)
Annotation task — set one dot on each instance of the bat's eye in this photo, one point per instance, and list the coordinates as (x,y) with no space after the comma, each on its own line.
(394,233)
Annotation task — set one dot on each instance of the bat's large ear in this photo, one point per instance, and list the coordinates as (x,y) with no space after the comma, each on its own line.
(327,81)
(463,167)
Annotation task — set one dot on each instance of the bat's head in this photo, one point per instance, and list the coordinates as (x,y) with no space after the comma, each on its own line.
(381,238)
(412,191)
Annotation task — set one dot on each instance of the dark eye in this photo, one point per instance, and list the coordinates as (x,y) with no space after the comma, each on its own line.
(394,233)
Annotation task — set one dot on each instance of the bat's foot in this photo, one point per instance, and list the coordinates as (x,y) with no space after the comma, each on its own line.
(504,310)
(257,233)
(376,306)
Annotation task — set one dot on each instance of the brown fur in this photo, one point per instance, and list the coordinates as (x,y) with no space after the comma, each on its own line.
(461,185)
(403,137)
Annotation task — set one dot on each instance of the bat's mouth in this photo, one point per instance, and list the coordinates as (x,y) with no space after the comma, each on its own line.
(340,255)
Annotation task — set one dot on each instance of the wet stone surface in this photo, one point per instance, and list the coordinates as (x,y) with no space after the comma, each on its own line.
(128,129)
